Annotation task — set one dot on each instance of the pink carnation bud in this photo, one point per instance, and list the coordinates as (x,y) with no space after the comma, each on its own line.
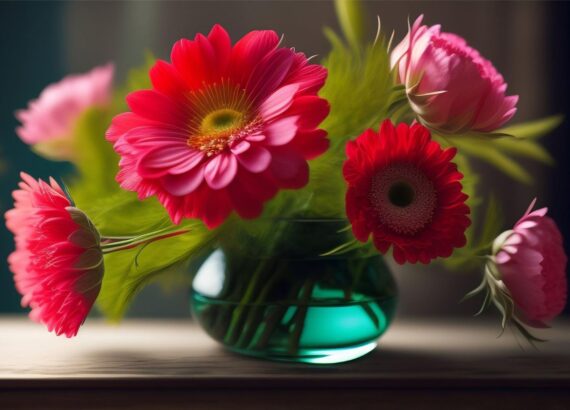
(58,262)
(450,86)
(531,263)
(49,122)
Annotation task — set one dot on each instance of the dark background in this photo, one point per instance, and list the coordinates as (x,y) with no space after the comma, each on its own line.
(40,42)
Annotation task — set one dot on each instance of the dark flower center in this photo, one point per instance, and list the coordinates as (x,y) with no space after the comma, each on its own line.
(401,194)
(403,197)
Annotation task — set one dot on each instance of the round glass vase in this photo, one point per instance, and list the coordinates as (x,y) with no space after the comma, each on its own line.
(294,290)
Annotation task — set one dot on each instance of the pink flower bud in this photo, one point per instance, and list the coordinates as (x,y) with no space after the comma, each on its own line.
(531,263)
(49,122)
(450,86)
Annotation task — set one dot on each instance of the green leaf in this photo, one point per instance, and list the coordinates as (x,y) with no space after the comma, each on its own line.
(492,223)
(126,272)
(489,152)
(96,162)
(499,147)
(123,214)
(534,129)
(479,241)
(525,148)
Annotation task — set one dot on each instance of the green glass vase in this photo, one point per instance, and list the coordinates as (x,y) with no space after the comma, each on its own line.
(294,290)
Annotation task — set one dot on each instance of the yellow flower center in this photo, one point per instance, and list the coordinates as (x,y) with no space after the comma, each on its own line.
(222,114)
(221,121)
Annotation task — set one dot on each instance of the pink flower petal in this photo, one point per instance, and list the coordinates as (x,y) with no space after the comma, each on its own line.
(221,170)
(158,162)
(278,102)
(269,74)
(183,184)
(240,147)
(256,159)
(282,131)
(255,138)
(289,168)
(194,158)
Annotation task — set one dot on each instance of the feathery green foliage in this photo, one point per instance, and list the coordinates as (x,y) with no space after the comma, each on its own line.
(359,88)
(350,14)
(360,91)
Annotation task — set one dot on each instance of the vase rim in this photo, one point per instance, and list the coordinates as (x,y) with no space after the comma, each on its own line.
(303,220)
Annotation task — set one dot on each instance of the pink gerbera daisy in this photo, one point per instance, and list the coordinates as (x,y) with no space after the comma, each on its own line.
(224,127)
(58,261)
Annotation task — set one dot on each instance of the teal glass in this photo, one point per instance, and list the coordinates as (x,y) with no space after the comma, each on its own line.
(278,292)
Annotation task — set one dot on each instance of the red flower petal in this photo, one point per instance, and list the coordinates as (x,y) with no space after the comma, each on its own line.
(157,107)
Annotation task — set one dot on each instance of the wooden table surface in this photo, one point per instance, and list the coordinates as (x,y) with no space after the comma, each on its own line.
(173,364)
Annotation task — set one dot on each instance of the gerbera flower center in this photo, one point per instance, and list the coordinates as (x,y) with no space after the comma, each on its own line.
(401,194)
(221,121)
(222,114)
(403,197)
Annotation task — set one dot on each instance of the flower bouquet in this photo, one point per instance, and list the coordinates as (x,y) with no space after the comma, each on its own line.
(273,185)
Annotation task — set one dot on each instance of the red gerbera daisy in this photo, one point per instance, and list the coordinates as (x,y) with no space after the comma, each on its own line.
(223,128)
(405,191)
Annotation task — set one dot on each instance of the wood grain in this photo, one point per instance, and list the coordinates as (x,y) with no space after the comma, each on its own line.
(169,364)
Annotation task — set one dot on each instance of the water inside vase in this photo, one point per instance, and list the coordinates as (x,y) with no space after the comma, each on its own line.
(326,331)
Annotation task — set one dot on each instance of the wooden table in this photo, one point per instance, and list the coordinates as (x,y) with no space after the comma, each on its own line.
(172,364)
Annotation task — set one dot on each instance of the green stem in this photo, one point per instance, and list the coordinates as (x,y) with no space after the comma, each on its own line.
(276,316)
(271,322)
(237,314)
(300,315)
(350,15)
(135,241)
(258,309)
